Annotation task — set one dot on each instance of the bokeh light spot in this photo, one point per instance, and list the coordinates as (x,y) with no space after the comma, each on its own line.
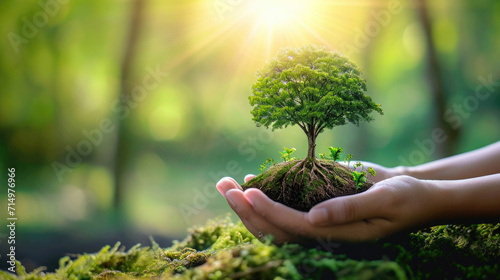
(165,123)
(413,42)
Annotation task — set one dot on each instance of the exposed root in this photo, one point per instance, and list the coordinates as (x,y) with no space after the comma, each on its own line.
(317,173)
(320,171)
(304,183)
(283,182)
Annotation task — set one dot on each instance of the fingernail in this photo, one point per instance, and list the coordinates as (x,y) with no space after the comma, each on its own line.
(230,200)
(223,187)
(222,179)
(248,197)
(248,177)
(318,215)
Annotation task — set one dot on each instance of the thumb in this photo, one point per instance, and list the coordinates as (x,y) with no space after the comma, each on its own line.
(249,177)
(346,209)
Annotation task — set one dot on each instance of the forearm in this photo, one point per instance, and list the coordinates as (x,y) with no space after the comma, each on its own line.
(470,200)
(481,162)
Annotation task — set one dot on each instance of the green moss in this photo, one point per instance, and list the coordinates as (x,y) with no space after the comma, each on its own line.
(277,170)
(223,250)
(462,251)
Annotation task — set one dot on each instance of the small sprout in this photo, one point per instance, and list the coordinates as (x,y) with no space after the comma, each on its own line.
(323,156)
(286,155)
(335,153)
(359,178)
(358,164)
(348,159)
(372,171)
(267,163)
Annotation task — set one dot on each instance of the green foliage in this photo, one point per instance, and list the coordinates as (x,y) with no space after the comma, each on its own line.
(286,155)
(266,164)
(348,159)
(313,88)
(358,164)
(335,153)
(360,176)
(310,86)
(372,171)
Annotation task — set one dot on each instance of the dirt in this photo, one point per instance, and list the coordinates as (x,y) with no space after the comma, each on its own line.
(301,184)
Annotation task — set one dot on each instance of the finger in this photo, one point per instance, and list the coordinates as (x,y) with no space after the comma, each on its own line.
(249,177)
(296,223)
(225,184)
(240,207)
(258,226)
(348,209)
(287,219)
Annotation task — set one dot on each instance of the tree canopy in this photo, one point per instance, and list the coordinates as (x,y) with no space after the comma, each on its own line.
(313,88)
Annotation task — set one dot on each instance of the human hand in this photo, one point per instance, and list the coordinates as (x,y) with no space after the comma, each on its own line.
(390,206)
(259,226)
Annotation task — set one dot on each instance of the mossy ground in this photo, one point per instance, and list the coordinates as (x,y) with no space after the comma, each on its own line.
(223,250)
(301,184)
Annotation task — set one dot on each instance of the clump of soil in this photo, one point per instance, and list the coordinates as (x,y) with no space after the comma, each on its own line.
(301,184)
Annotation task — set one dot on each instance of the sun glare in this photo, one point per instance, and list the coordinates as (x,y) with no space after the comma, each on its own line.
(250,32)
(279,13)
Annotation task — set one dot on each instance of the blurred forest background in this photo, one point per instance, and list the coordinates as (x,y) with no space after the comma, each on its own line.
(120,116)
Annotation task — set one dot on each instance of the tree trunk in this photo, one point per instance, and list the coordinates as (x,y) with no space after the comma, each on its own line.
(121,154)
(438,89)
(311,142)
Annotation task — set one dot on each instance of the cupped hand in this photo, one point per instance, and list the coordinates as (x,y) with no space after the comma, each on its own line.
(258,225)
(389,206)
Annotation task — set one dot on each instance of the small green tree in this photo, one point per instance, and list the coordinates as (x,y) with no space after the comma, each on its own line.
(313,88)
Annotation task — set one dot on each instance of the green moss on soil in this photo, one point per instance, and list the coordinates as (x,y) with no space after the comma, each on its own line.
(288,184)
(223,250)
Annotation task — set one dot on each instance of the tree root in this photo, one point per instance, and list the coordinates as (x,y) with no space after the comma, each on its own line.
(301,184)
(283,182)
(317,173)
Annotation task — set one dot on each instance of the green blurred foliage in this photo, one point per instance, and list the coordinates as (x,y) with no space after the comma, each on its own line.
(195,126)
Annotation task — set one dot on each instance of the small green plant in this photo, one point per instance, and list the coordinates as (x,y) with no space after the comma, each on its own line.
(348,159)
(266,164)
(335,153)
(286,155)
(372,171)
(360,176)
(323,156)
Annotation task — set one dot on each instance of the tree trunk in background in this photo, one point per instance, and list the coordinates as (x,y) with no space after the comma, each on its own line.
(361,142)
(122,152)
(437,86)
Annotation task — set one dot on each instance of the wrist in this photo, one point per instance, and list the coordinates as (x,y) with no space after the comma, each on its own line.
(412,171)
(400,170)
(445,201)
